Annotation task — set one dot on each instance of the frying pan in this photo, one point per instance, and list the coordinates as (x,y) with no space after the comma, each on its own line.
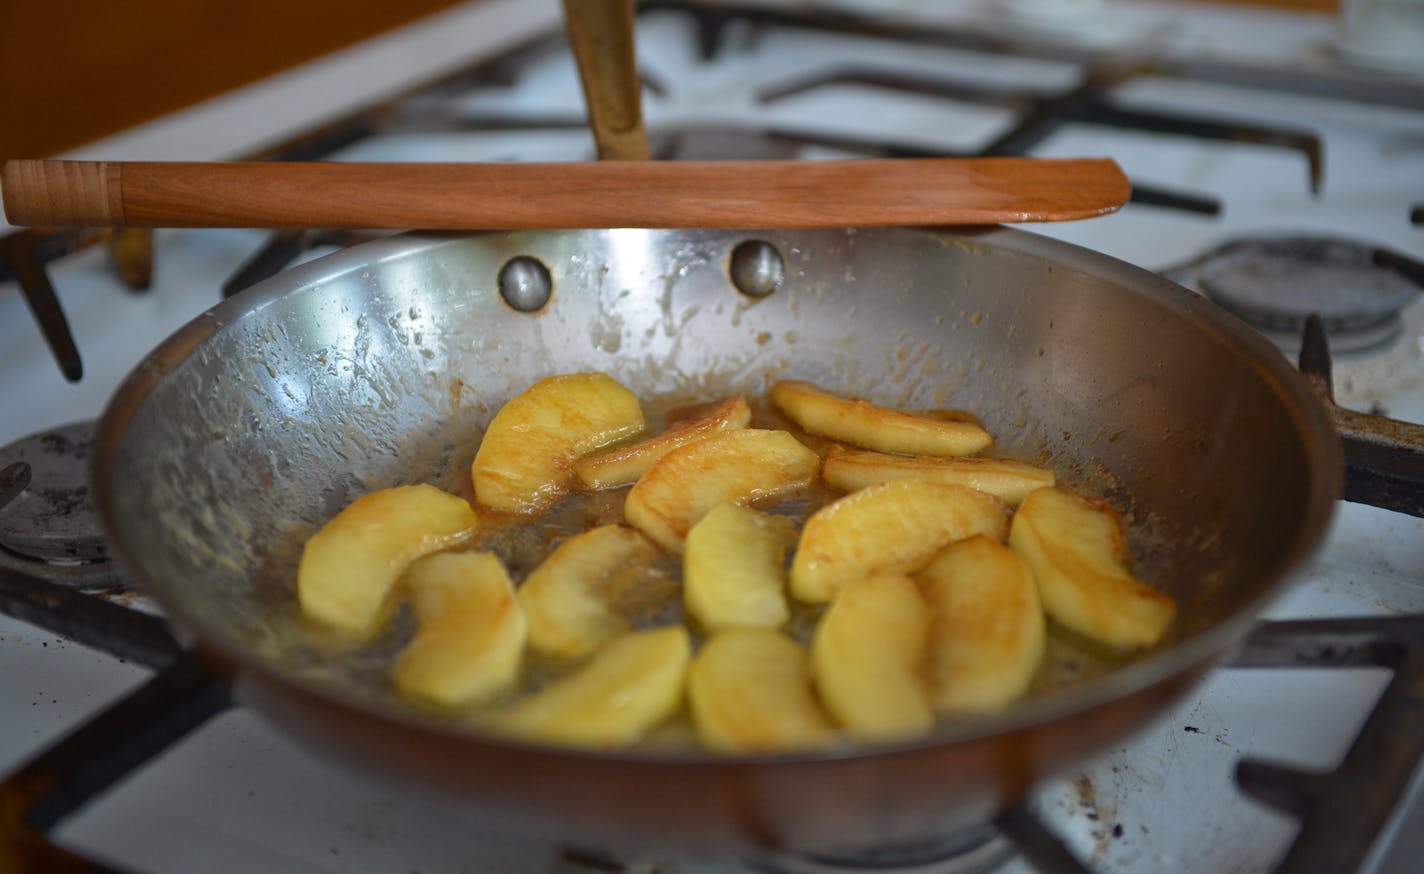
(381,364)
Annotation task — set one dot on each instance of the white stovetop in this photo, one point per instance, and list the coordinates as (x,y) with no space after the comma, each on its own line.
(242,798)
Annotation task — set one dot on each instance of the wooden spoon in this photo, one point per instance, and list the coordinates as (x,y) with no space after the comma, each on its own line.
(651,194)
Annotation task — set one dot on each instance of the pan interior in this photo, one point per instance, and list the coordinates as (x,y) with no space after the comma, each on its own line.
(381,365)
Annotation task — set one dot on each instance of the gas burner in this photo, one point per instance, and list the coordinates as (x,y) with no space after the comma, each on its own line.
(1276,283)
(48,528)
(974,851)
(1382,36)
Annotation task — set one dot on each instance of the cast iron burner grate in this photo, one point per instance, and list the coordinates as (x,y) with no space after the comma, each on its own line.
(1342,811)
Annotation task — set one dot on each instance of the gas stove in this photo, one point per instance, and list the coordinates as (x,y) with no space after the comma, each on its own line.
(1257,140)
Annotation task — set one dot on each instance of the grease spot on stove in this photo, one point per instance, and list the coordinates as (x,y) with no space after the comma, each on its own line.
(1087,800)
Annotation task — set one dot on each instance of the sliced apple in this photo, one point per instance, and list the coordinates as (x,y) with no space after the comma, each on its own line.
(862,423)
(1010,481)
(623,464)
(750,691)
(891,527)
(350,566)
(627,689)
(469,645)
(523,463)
(868,659)
(987,632)
(1077,551)
(953,414)
(735,467)
(734,569)
(571,597)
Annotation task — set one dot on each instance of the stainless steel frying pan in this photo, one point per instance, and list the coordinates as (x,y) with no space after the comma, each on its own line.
(380,365)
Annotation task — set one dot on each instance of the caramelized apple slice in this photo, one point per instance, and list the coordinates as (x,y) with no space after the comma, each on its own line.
(729,467)
(350,566)
(470,642)
(523,463)
(1010,481)
(750,692)
(891,527)
(953,414)
(1077,551)
(734,569)
(621,465)
(867,658)
(627,688)
(987,630)
(853,420)
(571,597)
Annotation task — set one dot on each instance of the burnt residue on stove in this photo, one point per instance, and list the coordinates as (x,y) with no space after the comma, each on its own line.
(1105,829)
(65,443)
(66,501)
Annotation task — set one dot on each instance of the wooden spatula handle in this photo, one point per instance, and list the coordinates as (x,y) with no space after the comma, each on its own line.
(76,193)
(650,194)
(602,35)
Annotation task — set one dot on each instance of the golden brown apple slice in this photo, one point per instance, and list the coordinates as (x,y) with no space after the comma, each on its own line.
(470,642)
(734,569)
(623,464)
(1077,551)
(571,597)
(749,690)
(735,467)
(891,527)
(868,659)
(350,566)
(987,631)
(626,689)
(1010,481)
(853,420)
(953,414)
(523,463)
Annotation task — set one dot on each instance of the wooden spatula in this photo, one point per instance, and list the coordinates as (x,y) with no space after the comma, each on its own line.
(651,194)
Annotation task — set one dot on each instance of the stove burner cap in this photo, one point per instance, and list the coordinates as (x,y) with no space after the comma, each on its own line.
(972,851)
(50,522)
(1275,284)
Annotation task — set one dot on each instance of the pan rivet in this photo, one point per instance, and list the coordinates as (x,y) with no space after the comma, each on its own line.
(757,268)
(524,283)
